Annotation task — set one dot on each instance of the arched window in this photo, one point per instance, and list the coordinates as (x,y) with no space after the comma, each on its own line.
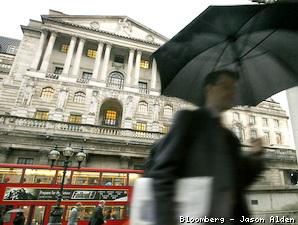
(79,97)
(168,110)
(116,80)
(143,107)
(47,93)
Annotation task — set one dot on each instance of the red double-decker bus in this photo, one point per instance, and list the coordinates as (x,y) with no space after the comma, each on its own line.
(34,189)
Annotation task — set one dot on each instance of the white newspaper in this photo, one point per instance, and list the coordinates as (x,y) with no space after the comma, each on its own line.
(192,196)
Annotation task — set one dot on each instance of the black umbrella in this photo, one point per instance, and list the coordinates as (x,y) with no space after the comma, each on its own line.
(258,41)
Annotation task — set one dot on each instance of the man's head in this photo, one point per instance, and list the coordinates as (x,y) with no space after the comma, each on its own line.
(78,205)
(220,89)
(102,203)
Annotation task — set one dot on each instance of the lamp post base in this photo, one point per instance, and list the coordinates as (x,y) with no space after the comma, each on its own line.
(56,214)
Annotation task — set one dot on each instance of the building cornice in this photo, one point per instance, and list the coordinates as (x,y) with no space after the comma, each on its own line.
(100,31)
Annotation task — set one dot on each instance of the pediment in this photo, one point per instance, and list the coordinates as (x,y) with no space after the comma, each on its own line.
(118,25)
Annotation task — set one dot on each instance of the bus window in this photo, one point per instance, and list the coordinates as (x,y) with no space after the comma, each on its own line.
(10,175)
(115,212)
(59,177)
(113,179)
(133,177)
(85,178)
(39,176)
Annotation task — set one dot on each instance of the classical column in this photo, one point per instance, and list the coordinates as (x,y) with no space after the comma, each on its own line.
(69,55)
(106,62)
(153,74)
(129,66)
(39,50)
(97,61)
(77,62)
(48,53)
(137,68)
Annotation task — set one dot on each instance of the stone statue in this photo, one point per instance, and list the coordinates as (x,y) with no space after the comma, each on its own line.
(156,111)
(125,26)
(93,103)
(129,105)
(29,90)
(62,97)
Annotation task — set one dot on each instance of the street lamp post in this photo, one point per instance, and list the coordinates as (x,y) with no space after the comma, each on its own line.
(57,212)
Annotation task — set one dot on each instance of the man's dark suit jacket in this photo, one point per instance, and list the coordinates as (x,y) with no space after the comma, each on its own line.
(97,217)
(197,145)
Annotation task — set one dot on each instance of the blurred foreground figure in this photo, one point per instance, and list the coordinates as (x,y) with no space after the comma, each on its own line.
(198,145)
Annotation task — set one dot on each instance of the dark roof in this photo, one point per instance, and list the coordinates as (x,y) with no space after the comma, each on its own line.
(6,44)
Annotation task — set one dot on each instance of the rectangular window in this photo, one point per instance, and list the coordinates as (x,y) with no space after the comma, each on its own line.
(42,115)
(10,175)
(86,75)
(11,49)
(276,123)
(64,48)
(58,70)
(91,53)
(252,120)
(254,202)
(141,126)
(39,176)
(278,138)
(85,178)
(75,118)
(253,134)
(110,118)
(143,87)
(265,122)
(119,59)
(25,161)
(267,137)
(144,64)
(115,179)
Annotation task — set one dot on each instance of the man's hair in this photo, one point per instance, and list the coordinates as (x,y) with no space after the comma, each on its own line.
(214,76)
(102,202)
(78,204)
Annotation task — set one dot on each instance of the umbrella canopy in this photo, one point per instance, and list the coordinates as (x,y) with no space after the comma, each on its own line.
(15,210)
(258,41)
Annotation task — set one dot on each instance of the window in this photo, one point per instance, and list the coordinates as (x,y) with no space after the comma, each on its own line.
(41,115)
(144,64)
(278,138)
(79,97)
(116,80)
(265,122)
(75,118)
(64,48)
(143,87)
(252,120)
(119,59)
(91,53)
(47,93)
(116,179)
(266,137)
(142,126)
(85,178)
(143,107)
(110,118)
(25,161)
(39,176)
(253,134)
(86,75)
(11,49)
(10,175)
(165,129)
(254,202)
(236,116)
(276,123)
(238,131)
(58,70)
(168,111)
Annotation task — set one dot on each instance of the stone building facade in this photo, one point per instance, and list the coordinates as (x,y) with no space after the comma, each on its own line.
(89,81)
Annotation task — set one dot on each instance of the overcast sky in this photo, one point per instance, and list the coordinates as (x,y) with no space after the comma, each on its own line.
(166,17)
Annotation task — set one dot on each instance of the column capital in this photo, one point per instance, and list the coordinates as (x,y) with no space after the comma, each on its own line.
(132,50)
(108,44)
(82,39)
(74,38)
(139,51)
